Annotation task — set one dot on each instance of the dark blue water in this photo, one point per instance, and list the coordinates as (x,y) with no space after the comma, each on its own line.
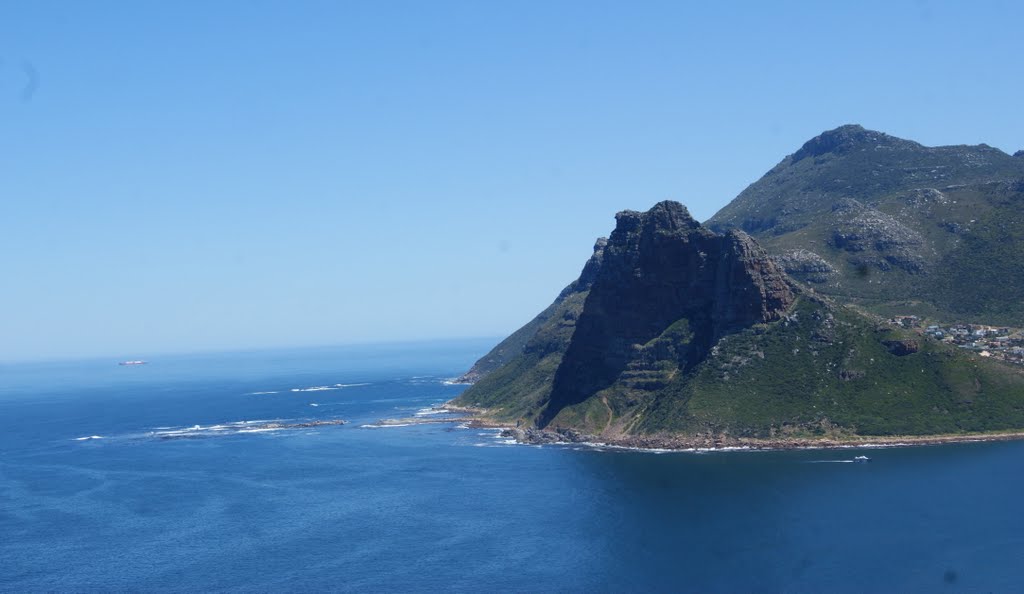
(438,507)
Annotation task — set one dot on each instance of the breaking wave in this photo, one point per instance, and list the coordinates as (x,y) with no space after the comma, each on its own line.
(426,412)
(326,388)
(219,429)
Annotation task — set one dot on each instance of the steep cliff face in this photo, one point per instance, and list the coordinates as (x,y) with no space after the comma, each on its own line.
(668,289)
(648,307)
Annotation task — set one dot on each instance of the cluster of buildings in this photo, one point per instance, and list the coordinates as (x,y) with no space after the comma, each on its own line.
(998,342)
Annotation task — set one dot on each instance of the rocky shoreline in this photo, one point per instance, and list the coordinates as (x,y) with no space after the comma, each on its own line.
(533,436)
(725,443)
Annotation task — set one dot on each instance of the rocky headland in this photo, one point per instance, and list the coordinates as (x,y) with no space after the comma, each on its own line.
(677,336)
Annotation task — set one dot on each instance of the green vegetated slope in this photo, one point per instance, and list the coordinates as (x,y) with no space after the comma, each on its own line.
(511,347)
(827,370)
(981,274)
(824,370)
(520,388)
(894,226)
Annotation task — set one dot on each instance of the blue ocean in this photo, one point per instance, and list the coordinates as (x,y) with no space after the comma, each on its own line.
(207,473)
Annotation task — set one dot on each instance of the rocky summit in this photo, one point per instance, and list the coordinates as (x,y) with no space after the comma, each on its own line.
(677,334)
(668,289)
(894,226)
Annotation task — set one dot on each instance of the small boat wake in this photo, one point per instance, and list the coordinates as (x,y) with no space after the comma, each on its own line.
(854,460)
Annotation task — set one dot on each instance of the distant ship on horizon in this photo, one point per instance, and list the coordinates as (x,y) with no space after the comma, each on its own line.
(132,363)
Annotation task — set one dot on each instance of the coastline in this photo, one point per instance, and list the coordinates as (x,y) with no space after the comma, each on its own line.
(711,443)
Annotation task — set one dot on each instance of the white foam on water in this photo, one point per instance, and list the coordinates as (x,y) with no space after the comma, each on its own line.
(232,427)
(326,388)
(605,447)
(88,437)
(313,404)
(425,412)
(384,426)
(259,393)
(172,433)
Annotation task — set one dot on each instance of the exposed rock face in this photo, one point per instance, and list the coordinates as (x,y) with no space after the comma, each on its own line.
(667,289)
(590,269)
(902,348)
(805,265)
(884,240)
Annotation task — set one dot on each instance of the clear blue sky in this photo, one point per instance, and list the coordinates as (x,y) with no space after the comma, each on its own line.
(187,176)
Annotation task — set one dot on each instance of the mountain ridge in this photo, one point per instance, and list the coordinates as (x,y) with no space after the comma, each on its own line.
(892,225)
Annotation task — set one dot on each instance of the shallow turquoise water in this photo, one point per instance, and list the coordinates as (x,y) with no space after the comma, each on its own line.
(438,507)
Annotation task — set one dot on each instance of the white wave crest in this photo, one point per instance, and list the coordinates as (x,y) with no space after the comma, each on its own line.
(426,412)
(326,388)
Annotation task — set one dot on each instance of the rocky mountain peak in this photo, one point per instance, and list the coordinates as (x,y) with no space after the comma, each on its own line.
(661,271)
(664,217)
(1018,154)
(888,220)
(844,139)
(591,268)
